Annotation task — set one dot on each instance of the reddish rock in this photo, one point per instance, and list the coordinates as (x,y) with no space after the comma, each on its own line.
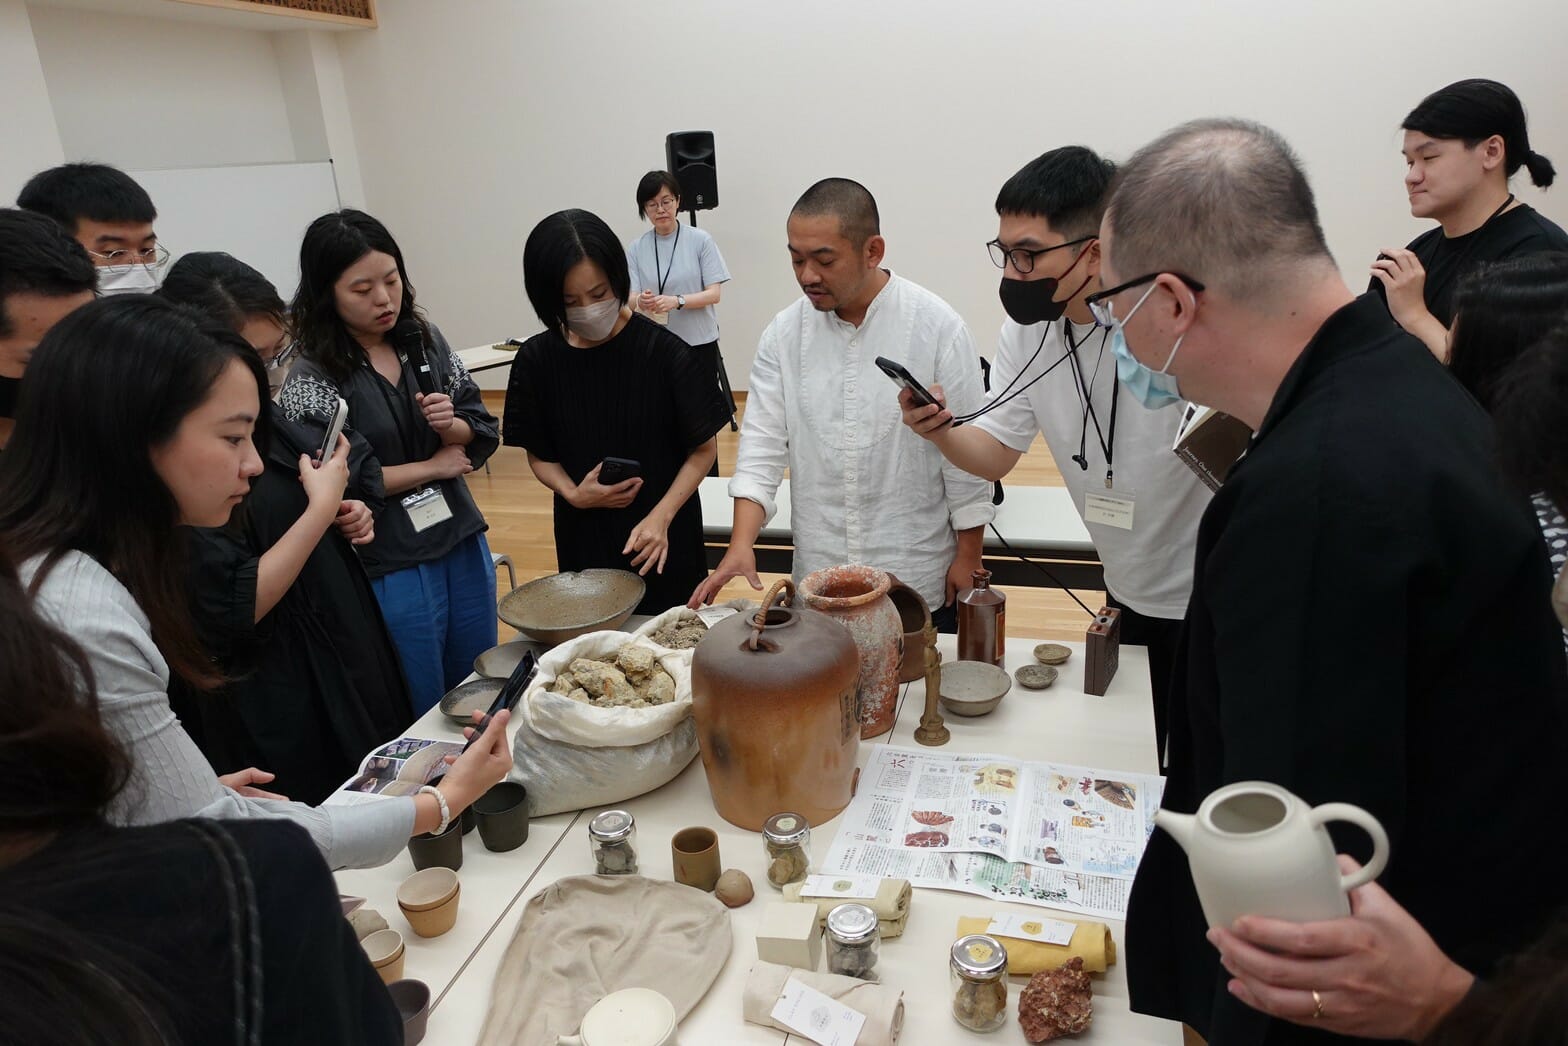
(1056,1003)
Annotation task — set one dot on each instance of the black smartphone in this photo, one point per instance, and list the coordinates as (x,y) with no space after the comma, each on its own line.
(509,694)
(902,377)
(618,470)
(329,441)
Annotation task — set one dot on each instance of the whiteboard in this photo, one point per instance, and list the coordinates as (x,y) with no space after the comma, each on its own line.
(258,212)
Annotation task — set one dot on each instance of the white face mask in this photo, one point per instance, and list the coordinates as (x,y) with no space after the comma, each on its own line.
(594,322)
(128,279)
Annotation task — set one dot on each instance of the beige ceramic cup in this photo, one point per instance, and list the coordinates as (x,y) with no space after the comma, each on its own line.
(385,950)
(428,900)
(695,852)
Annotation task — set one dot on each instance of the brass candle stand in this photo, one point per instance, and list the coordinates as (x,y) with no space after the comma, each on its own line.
(932,730)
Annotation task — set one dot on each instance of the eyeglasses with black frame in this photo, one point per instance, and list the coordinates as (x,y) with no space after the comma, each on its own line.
(1100,301)
(1022,257)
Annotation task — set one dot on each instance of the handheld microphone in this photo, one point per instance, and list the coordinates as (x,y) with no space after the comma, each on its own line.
(412,344)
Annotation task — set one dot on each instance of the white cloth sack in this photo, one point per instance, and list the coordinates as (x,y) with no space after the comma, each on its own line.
(561,776)
(559,718)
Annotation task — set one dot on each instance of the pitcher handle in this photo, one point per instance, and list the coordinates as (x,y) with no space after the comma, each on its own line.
(1321,815)
(759,620)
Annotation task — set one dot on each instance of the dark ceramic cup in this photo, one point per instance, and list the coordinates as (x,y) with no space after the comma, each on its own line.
(413,1002)
(439,851)
(503,816)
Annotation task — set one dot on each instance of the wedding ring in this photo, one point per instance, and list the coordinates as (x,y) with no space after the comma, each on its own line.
(1317,1006)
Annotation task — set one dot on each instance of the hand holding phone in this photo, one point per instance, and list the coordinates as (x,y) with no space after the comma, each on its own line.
(903,378)
(511,691)
(329,440)
(618,470)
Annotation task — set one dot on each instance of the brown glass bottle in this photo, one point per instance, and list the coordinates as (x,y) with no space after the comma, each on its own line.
(982,621)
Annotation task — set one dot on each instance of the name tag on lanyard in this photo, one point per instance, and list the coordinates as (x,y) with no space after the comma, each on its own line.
(1110,508)
(426,508)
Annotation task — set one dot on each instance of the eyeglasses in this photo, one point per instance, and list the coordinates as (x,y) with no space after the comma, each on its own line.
(156,256)
(1022,257)
(663,203)
(281,360)
(1100,301)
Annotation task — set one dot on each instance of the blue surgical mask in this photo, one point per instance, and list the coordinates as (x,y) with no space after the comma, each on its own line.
(1152,388)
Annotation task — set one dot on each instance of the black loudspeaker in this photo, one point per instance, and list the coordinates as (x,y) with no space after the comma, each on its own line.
(689,156)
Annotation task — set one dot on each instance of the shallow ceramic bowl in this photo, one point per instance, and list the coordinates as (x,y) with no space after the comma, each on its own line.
(498,661)
(476,695)
(564,606)
(971,688)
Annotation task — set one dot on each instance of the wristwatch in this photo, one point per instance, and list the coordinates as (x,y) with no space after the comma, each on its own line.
(680,302)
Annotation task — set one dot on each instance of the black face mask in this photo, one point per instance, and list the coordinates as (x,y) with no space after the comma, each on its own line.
(1028,302)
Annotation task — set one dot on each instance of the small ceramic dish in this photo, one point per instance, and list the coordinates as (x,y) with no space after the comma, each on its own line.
(429,899)
(1052,653)
(1035,677)
(973,688)
(386,952)
(498,661)
(476,695)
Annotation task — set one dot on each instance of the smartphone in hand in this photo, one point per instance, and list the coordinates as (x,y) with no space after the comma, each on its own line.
(329,441)
(618,470)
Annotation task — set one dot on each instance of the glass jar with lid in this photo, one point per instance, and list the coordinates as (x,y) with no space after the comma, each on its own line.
(978,977)
(787,838)
(854,940)
(612,836)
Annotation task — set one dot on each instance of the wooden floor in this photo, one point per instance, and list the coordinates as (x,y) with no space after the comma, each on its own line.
(517,507)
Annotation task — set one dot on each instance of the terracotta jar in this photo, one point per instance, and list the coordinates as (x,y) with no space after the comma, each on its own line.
(913,616)
(857,598)
(774,697)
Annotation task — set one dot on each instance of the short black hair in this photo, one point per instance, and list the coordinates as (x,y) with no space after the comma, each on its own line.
(1532,426)
(848,201)
(1068,187)
(560,242)
(1500,310)
(38,257)
(1474,110)
(94,191)
(649,187)
(223,288)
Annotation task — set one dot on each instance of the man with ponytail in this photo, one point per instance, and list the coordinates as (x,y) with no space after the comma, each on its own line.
(1462,145)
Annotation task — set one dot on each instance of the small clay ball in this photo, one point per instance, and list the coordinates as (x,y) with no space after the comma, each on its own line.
(734,888)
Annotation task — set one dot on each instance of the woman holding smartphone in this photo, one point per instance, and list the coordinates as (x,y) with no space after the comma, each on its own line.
(280,598)
(602,383)
(411,399)
(138,421)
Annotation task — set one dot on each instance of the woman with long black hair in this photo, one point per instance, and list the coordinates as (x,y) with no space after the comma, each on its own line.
(1462,144)
(411,399)
(138,421)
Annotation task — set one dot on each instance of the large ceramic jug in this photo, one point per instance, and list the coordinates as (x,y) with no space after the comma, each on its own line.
(774,697)
(1257,849)
(857,598)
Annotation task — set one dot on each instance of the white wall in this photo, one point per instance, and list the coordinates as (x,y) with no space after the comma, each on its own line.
(146,93)
(31,140)
(474,120)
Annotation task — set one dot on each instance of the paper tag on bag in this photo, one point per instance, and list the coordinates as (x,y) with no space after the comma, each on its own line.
(1031,928)
(711,616)
(850,887)
(812,1015)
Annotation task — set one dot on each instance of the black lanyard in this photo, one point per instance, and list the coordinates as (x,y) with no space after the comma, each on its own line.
(673,247)
(1107,438)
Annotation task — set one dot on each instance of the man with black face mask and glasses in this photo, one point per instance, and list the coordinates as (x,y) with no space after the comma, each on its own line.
(1055,374)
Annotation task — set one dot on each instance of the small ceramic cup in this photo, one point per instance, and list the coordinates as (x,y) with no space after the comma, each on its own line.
(695,852)
(385,950)
(439,851)
(429,900)
(413,1002)
(503,816)
(629,1017)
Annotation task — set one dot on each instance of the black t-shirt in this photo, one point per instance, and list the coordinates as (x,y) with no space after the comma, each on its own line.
(10,388)
(1512,234)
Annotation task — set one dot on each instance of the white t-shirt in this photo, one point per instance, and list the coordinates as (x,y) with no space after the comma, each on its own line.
(1149,567)
(863,487)
(687,260)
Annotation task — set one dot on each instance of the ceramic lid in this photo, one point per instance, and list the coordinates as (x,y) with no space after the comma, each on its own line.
(785,829)
(852,923)
(612,826)
(629,1017)
(979,956)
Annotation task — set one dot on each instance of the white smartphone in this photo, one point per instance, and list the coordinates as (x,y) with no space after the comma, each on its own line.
(334,430)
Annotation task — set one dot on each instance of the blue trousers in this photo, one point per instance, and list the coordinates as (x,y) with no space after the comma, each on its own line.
(441,615)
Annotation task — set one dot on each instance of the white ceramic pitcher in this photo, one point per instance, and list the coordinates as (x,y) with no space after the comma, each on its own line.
(629,1017)
(1257,849)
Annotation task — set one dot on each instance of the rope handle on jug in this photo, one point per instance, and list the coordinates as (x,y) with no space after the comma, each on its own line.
(759,620)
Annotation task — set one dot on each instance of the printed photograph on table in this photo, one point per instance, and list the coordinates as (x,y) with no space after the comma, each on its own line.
(398,767)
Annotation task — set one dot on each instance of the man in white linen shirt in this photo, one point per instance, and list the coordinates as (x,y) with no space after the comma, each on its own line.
(1139,502)
(863,488)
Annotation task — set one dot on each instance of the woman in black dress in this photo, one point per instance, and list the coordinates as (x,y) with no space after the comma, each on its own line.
(603,383)
(314,677)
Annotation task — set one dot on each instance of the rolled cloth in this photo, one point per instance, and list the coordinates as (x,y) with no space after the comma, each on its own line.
(1091,942)
(882,1005)
(891,904)
(586,936)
